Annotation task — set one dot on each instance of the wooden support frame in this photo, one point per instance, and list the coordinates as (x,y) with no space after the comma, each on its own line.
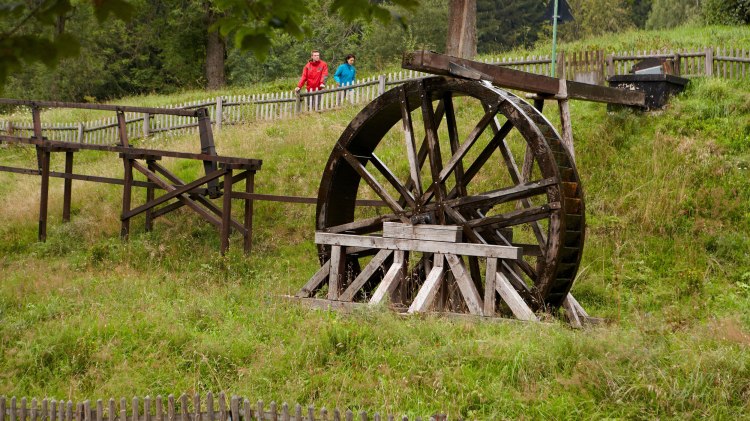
(441,242)
(192,194)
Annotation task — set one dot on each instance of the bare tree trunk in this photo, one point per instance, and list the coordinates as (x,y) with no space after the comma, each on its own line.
(462,29)
(215,50)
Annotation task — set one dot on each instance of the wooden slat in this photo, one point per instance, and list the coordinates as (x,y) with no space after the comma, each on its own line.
(466,249)
(465,284)
(511,297)
(445,233)
(430,288)
(365,275)
(391,280)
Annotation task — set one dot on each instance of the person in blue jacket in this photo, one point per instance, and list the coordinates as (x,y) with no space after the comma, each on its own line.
(346,72)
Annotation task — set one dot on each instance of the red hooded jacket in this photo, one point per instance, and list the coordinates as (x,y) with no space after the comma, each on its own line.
(314,75)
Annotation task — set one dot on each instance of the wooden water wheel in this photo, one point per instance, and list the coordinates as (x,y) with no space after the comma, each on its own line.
(506,179)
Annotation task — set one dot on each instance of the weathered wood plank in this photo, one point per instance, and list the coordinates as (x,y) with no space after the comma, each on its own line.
(391,280)
(465,284)
(466,249)
(335,278)
(445,233)
(511,297)
(365,275)
(430,288)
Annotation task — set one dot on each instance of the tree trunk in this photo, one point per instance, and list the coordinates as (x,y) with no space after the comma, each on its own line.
(215,51)
(462,29)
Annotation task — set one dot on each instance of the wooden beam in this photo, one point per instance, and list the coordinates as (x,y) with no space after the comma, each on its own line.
(465,284)
(392,278)
(316,280)
(338,263)
(430,288)
(441,64)
(444,233)
(365,275)
(517,305)
(466,249)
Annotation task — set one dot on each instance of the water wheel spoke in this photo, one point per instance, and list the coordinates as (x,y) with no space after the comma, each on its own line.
(497,140)
(415,164)
(516,217)
(393,180)
(374,184)
(433,145)
(459,152)
(515,175)
(496,197)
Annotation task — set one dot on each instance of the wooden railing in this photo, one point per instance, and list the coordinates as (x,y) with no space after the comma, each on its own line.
(587,66)
(184,408)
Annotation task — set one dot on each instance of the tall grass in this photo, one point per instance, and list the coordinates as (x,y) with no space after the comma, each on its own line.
(667,262)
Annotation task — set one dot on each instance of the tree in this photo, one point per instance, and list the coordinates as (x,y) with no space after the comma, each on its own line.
(506,24)
(671,13)
(37,30)
(462,28)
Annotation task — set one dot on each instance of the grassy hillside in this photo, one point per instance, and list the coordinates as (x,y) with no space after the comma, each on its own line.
(667,262)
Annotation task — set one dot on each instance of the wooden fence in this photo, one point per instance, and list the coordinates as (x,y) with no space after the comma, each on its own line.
(588,66)
(183,408)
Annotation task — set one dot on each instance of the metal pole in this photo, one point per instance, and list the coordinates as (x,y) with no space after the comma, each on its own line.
(554,39)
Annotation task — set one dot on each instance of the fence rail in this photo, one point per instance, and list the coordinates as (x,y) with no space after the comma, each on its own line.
(184,408)
(587,66)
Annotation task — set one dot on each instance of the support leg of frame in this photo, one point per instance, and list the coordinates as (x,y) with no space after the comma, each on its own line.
(127,191)
(68,186)
(249,188)
(44,193)
(226,214)
(149,198)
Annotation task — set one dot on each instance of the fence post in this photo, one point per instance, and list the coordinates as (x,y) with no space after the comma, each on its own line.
(560,65)
(297,102)
(610,65)
(146,125)
(81,132)
(709,61)
(381,85)
(9,128)
(676,61)
(219,112)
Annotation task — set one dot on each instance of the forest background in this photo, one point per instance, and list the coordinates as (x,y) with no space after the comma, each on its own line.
(164,46)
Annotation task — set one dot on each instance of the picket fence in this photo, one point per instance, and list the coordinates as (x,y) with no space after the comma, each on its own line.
(183,408)
(587,66)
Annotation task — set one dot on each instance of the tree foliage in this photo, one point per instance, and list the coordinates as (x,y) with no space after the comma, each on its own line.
(507,24)
(671,13)
(726,12)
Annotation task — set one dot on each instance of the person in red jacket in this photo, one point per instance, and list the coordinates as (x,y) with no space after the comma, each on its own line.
(314,73)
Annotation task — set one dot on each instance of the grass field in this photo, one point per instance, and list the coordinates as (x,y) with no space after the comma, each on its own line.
(666,262)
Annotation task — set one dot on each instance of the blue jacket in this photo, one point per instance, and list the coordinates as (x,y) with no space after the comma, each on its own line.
(345,74)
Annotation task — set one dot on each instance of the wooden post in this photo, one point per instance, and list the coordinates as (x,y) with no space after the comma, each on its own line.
(37,122)
(208,148)
(297,103)
(126,195)
(611,65)
(489,287)
(381,85)
(249,188)
(68,185)
(709,61)
(219,112)
(149,198)
(81,132)
(44,153)
(676,61)
(567,128)
(226,211)
(560,65)
(146,125)
(338,262)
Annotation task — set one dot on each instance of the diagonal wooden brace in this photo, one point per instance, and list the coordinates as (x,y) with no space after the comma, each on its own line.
(172,192)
